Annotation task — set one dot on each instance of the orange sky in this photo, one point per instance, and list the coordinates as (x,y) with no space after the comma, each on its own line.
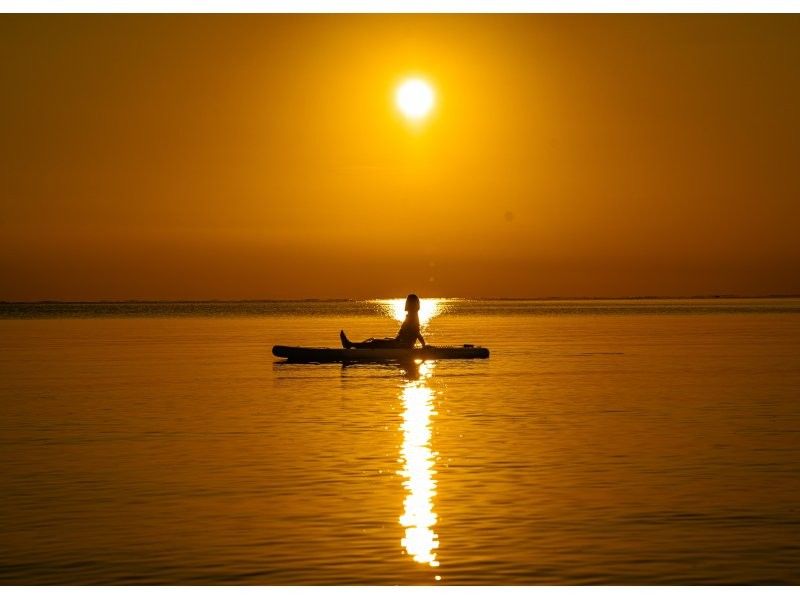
(261,156)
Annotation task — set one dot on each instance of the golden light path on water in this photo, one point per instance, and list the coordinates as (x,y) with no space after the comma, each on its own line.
(416,455)
(419,518)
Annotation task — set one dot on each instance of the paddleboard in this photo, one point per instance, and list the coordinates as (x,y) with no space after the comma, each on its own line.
(327,355)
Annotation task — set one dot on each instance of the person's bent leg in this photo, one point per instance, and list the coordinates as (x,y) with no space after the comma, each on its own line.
(346,343)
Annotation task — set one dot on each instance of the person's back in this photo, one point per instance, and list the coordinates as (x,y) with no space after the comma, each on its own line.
(409,331)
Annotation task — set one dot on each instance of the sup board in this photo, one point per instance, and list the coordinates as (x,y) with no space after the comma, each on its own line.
(325,355)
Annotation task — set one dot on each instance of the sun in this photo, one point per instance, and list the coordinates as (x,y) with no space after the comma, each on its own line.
(415,98)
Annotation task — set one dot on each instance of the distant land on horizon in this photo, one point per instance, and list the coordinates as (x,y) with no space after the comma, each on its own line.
(335,299)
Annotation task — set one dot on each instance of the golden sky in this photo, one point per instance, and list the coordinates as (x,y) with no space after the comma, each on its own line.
(262,156)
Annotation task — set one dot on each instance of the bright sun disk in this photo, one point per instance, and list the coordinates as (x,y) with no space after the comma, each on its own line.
(415,98)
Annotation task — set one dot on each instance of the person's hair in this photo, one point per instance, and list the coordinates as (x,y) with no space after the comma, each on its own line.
(412,302)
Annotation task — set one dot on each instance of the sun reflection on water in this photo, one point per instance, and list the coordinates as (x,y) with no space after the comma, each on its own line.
(418,459)
(428,309)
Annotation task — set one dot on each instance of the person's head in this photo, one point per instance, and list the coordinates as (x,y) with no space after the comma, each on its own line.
(412,303)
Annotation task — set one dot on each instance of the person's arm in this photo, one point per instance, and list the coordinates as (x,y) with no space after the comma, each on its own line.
(422,340)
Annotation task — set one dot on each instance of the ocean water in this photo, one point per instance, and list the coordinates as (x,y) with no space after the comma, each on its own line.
(603,442)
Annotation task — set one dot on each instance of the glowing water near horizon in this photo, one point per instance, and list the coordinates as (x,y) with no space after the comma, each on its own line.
(606,442)
(429,308)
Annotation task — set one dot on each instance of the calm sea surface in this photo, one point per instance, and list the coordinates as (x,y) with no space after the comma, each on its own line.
(604,442)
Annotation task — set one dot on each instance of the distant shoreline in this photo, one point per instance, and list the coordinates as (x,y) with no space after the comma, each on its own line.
(335,300)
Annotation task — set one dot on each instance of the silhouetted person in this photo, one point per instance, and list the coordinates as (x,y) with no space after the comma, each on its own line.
(405,339)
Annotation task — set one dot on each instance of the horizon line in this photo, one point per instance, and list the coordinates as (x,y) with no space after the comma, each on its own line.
(340,300)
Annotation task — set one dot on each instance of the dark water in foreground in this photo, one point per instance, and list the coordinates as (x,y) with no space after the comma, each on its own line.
(648,442)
